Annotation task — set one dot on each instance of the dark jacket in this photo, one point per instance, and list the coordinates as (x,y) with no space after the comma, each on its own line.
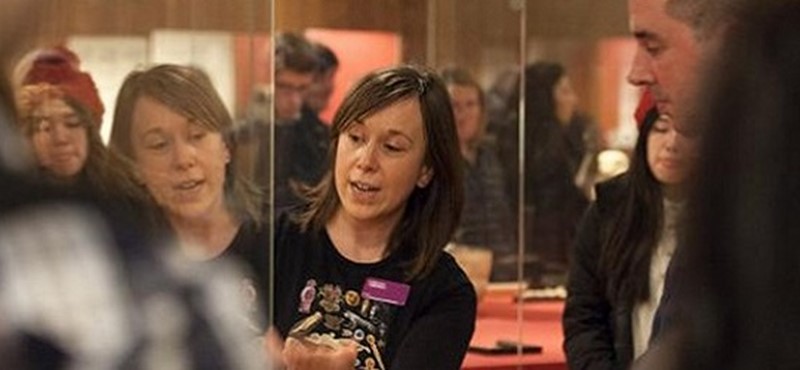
(301,153)
(597,330)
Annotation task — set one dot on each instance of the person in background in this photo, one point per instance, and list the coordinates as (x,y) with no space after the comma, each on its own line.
(623,248)
(738,309)
(487,220)
(299,154)
(553,203)
(60,114)
(172,125)
(500,110)
(310,136)
(296,64)
(319,93)
(61,110)
(303,83)
(361,264)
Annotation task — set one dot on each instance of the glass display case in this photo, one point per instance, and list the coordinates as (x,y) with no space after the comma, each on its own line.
(548,78)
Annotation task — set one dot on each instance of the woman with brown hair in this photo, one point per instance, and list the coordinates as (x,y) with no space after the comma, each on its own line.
(487,221)
(172,125)
(362,261)
(624,246)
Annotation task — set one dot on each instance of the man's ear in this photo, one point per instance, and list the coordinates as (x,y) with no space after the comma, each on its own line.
(425,177)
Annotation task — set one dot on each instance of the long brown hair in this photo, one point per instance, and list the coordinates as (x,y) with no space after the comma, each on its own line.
(633,226)
(432,213)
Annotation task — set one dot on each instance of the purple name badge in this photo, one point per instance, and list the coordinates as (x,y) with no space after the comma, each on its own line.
(386,291)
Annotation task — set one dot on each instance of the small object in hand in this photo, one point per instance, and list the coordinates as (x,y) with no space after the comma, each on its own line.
(302,331)
(326,340)
(302,328)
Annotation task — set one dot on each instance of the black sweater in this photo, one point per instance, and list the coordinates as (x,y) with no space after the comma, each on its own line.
(431,330)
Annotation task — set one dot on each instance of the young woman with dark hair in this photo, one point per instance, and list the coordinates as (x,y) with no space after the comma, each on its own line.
(624,246)
(555,146)
(363,259)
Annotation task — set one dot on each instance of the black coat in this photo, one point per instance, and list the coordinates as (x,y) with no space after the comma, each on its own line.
(597,330)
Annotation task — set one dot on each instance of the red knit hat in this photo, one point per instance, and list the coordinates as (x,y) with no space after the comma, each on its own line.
(646,103)
(60,67)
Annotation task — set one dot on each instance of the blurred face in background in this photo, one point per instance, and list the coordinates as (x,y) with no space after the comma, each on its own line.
(181,162)
(320,91)
(671,156)
(468,113)
(291,88)
(566,100)
(59,137)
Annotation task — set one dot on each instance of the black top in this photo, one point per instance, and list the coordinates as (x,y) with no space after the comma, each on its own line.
(301,151)
(109,304)
(431,330)
(250,250)
(597,329)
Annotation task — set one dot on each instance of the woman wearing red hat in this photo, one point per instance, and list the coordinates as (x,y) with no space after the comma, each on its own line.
(60,113)
(61,110)
(623,249)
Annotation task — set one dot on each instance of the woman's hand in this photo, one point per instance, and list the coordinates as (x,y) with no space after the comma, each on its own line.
(273,348)
(303,354)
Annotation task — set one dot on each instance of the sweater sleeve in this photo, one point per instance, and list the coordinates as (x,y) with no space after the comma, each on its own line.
(439,337)
(587,321)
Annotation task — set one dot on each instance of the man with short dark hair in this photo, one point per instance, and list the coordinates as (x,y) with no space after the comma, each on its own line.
(295,67)
(674,38)
(321,90)
(310,139)
(301,139)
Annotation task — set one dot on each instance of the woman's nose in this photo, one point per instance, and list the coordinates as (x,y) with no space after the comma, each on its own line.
(367,157)
(185,155)
(674,140)
(59,133)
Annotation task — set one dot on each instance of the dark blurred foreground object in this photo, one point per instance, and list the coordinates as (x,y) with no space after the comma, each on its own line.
(81,288)
(736,307)
(75,294)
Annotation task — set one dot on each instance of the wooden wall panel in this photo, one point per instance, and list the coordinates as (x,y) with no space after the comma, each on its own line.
(460,24)
(141,16)
(577,19)
(404,17)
